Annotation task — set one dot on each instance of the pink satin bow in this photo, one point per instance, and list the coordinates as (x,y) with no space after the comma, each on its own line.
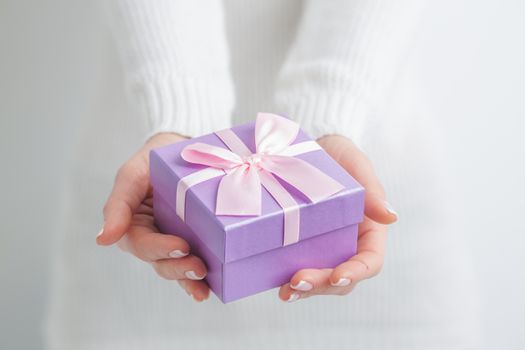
(239,191)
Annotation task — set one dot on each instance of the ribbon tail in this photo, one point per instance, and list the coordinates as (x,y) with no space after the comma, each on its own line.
(306,178)
(239,193)
(292,215)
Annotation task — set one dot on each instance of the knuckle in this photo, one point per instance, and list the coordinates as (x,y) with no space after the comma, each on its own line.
(372,263)
(162,271)
(376,268)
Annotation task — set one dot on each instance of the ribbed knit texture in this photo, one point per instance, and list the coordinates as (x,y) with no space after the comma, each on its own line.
(175,58)
(342,63)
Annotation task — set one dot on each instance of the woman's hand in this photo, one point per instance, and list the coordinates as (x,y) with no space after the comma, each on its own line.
(372,231)
(128,221)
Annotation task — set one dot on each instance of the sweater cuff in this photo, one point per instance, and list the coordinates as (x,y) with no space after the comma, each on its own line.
(186,105)
(326,113)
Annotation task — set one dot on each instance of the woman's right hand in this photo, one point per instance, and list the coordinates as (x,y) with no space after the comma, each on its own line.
(129,222)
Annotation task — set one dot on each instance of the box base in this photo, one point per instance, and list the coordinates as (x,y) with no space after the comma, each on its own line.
(238,279)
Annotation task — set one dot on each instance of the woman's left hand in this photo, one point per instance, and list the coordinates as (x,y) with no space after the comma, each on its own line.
(372,231)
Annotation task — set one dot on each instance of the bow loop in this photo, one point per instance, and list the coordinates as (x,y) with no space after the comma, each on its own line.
(216,157)
(273,133)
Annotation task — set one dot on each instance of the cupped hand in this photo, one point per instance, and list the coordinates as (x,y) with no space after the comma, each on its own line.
(371,237)
(128,221)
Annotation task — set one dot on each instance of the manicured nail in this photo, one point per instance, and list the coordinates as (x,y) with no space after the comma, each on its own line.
(192,275)
(100,232)
(302,286)
(293,297)
(389,209)
(341,283)
(177,254)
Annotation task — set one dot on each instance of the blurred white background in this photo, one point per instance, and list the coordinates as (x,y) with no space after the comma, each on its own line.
(469,58)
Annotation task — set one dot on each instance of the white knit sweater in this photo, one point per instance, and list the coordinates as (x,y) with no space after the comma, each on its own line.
(327,64)
(340,63)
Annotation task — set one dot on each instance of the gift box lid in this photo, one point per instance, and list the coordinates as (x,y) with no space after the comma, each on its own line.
(232,238)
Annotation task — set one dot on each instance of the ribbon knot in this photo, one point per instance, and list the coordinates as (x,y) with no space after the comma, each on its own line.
(239,191)
(253,160)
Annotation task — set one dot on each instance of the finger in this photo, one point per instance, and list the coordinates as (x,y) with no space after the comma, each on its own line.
(309,279)
(130,188)
(198,290)
(152,246)
(189,267)
(304,283)
(286,293)
(367,262)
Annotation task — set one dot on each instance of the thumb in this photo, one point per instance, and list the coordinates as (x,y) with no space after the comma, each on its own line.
(378,209)
(376,206)
(129,191)
(353,160)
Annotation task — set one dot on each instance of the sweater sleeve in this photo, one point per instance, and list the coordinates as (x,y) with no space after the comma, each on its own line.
(175,59)
(342,62)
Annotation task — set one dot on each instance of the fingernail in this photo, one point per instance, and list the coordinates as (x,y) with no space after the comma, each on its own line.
(302,286)
(341,283)
(100,232)
(192,275)
(177,254)
(293,297)
(389,209)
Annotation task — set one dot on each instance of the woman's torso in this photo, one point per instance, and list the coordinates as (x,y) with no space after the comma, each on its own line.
(102,298)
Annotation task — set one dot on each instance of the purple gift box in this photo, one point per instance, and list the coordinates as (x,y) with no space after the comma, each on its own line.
(245,254)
